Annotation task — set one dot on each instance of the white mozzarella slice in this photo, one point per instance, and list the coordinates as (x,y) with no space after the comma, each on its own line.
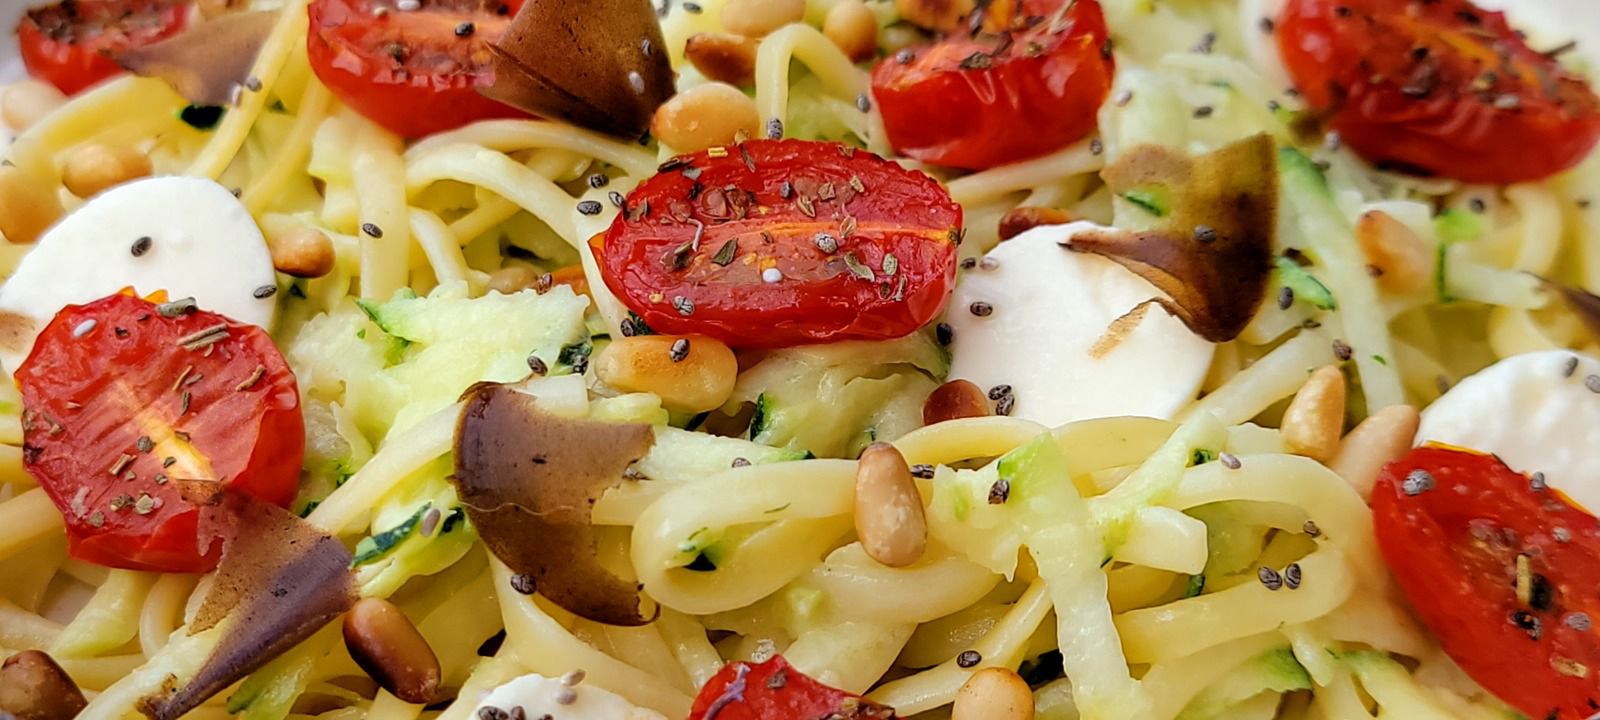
(203,244)
(539,696)
(1539,412)
(1051,308)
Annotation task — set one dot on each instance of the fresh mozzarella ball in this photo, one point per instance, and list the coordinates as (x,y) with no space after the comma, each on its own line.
(1031,315)
(202,243)
(1539,412)
(564,698)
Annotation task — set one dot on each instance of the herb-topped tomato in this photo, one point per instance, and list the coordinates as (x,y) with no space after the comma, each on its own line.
(977,100)
(1438,87)
(415,72)
(774,690)
(1502,570)
(773,243)
(71,44)
(123,396)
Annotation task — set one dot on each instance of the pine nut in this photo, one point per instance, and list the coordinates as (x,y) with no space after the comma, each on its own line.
(513,279)
(723,57)
(1315,418)
(696,380)
(384,642)
(92,169)
(1382,438)
(34,687)
(304,252)
(756,18)
(940,15)
(1394,250)
(889,517)
(24,104)
(993,693)
(705,116)
(954,400)
(27,207)
(853,28)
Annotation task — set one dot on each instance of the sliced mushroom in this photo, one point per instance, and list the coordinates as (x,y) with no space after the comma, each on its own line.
(1212,251)
(209,64)
(601,64)
(280,580)
(529,480)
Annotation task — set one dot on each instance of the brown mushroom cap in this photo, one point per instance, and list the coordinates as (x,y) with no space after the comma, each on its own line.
(1212,252)
(209,63)
(601,64)
(281,579)
(529,480)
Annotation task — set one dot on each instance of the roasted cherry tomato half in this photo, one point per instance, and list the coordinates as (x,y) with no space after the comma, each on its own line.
(979,100)
(774,243)
(415,72)
(121,397)
(72,44)
(774,690)
(1438,88)
(1502,570)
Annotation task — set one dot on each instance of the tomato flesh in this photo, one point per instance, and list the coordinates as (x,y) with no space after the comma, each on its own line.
(116,409)
(415,72)
(71,44)
(1454,526)
(774,243)
(975,102)
(1440,88)
(774,690)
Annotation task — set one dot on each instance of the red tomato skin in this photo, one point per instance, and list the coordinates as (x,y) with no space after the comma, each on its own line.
(83,399)
(774,690)
(1453,551)
(1358,60)
(72,63)
(899,212)
(345,44)
(1019,107)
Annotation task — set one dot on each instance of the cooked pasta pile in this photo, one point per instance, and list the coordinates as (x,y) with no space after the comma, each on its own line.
(1141,582)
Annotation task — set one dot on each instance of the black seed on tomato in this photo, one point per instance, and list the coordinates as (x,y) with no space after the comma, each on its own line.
(944,334)
(466,29)
(1418,482)
(1537,482)
(683,305)
(141,246)
(1577,620)
(774,129)
(981,309)
(616,199)
(590,207)
(680,350)
(1528,622)
(905,56)
(826,243)
(599,180)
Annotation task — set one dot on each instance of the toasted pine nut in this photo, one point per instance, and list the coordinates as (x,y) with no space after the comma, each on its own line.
(513,278)
(91,169)
(889,514)
(384,642)
(756,18)
(1397,253)
(304,252)
(694,376)
(1377,441)
(24,104)
(27,207)
(1315,418)
(954,400)
(993,693)
(705,116)
(941,15)
(34,687)
(852,27)
(723,57)
(1022,219)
